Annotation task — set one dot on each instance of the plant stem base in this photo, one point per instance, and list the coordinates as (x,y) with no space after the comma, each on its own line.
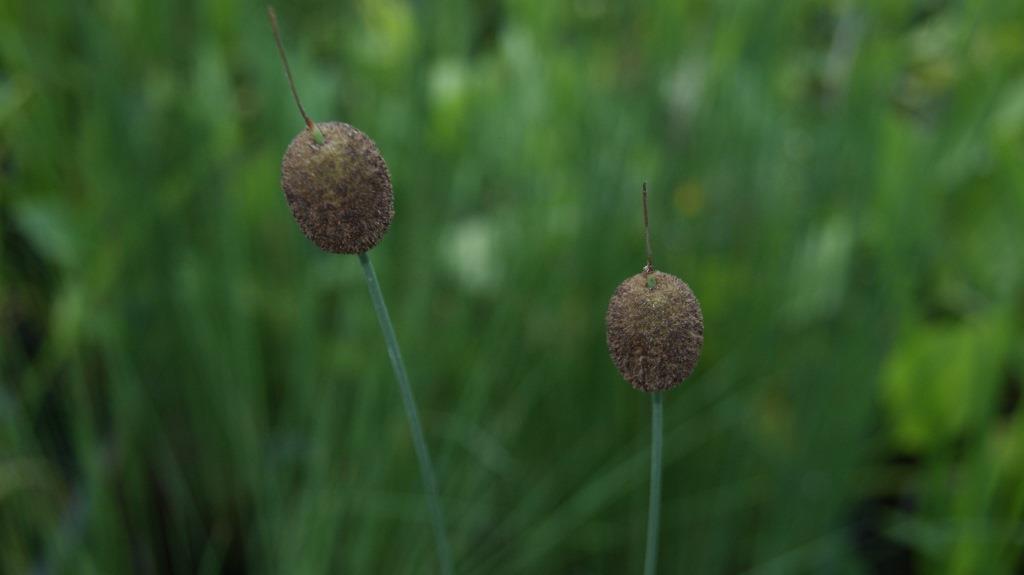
(654,507)
(444,555)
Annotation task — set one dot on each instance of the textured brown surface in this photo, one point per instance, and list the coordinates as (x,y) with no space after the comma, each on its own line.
(654,334)
(339,191)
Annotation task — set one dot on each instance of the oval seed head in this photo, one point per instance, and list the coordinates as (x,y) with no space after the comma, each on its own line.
(339,191)
(655,330)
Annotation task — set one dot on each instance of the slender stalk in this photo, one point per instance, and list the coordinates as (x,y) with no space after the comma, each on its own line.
(444,555)
(654,508)
(649,268)
(647,234)
(317,134)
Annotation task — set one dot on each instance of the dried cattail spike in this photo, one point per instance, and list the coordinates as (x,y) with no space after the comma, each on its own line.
(339,191)
(335,180)
(655,330)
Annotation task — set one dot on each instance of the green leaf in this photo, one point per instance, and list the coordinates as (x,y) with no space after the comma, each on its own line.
(941,379)
(48,228)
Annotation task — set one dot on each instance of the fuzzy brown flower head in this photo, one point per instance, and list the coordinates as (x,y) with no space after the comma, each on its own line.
(655,333)
(339,191)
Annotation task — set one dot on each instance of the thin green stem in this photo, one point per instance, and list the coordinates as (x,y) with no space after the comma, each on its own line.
(654,509)
(444,555)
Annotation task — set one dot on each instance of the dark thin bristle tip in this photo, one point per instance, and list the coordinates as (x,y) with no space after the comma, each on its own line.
(655,334)
(340,191)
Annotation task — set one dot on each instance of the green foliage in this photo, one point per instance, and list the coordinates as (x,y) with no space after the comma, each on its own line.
(941,383)
(187,385)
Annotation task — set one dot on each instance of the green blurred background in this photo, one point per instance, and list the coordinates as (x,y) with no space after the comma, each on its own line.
(189,386)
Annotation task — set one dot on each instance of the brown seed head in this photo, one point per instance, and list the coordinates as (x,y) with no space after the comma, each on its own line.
(655,334)
(339,191)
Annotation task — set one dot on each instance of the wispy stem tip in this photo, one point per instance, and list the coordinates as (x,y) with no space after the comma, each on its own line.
(288,72)
(647,234)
